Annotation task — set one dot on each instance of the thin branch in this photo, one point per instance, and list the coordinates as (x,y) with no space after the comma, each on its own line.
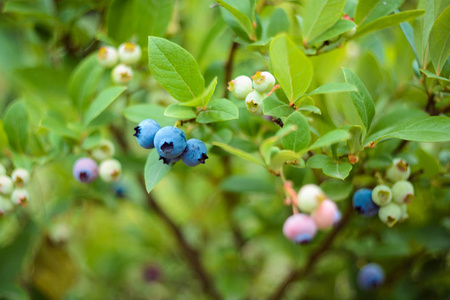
(229,67)
(313,259)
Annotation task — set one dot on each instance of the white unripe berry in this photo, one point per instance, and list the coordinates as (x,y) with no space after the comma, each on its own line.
(21,177)
(241,86)
(5,206)
(381,195)
(121,74)
(110,170)
(6,185)
(104,150)
(254,102)
(107,56)
(308,197)
(129,53)
(20,197)
(403,192)
(263,82)
(400,170)
(390,214)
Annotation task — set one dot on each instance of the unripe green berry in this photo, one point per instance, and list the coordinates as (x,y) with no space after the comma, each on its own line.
(263,82)
(309,197)
(400,170)
(20,197)
(241,86)
(403,192)
(121,74)
(129,53)
(103,151)
(6,185)
(107,56)
(254,102)
(21,177)
(390,214)
(110,170)
(5,206)
(381,195)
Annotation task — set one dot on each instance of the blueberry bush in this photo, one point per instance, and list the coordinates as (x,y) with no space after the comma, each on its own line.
(228,149)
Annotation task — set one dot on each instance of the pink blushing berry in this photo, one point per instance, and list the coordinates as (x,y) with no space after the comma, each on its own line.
(325,214)
(299,228)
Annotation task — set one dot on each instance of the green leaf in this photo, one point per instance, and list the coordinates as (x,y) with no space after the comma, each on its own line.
(310,108)
(153,18)
(16,125)
(276,108)
(283,157)
(369,10)
(318,161)
(180,112)
(341,27)
(175,69)
(355,142)
(339,170)
(140,112)
(84,81)
(440,40)
(241,18)
(331,137)
(245,184)
(59,127)
(3,136)
(337,190)
(218,110)
(267,144)
(424,129)
(361,100)
(387,21)
(101,102)
(279,22)
(154,170)
(319,15)
(298,140)
(205,96)
(121,19)
(240,153)
(291,67)
(332,87)
(432,75)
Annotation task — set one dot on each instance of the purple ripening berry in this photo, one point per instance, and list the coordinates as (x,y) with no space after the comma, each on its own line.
(85,170)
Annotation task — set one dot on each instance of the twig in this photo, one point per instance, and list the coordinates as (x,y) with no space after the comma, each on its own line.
(313,259)
(229,67)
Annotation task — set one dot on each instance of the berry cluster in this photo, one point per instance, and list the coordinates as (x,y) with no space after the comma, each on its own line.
(128,53)
(253,92)
(12,189)
(324,213)
(370,276)
(86,170)
(388,202)
(170,143)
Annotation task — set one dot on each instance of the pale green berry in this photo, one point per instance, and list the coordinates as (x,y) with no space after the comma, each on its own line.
(399,170)
(403,192)
(254,102)
(241,86)
(122,74)
(2,170)
(20,197)
(6,185)
(129,53)
(21,177)
(390,214)
(381,195)
(309,197)
(110,170)
(104,150)
(263,82)
(107,56)
(5,206)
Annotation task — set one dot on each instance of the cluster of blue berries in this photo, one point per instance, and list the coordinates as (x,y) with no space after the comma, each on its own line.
(128,54)
(86,169)
(13,189)
(370,276)
(170,143)
(389,202)
(318,212)
(253,91)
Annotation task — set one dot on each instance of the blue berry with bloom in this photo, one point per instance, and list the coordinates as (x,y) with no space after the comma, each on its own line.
(370,276)
(145,133)
(85,170)
(170,142)
(363,204)
(195,153)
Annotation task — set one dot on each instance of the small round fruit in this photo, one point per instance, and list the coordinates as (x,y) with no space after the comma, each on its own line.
(325,214)
(20,197)
(129,53)
(5,206)
(145,133)
(381,195)
(85,170)
(241,86)
(170,161)
(370,276)
(254,101)
(104,150)
(121,74)
(20,177)
(6,185)
(390,214)
(363,204)
(107,56)
(299,228)
(2,170)
(308,197)
(110,170)
(263,82)
(170,142)
(195,153)
(399,170)
(403,192)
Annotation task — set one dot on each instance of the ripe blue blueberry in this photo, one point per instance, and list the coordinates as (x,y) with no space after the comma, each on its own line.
(363,204)
(370,276)
(145,133)
(85,170)
(170,142)
(195,153)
